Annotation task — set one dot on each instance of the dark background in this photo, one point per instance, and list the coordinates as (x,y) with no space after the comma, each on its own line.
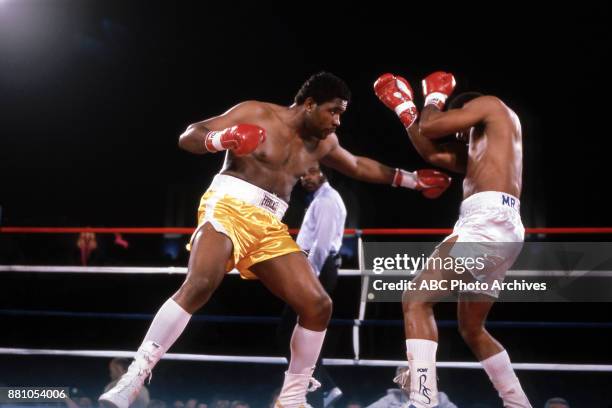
(93,97)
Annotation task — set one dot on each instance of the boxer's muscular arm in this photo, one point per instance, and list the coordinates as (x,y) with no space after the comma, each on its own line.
(192,139)
(357,167)
(435,124)
(450,156)
(431,183)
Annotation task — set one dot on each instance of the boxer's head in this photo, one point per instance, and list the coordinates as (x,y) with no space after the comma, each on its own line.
(457,102)
(313,178)
(325,98)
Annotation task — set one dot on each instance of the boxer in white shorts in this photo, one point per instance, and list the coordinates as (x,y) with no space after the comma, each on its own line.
(488,149)
(490,228)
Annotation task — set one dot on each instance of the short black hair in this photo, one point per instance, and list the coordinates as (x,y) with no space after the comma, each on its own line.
(323,87)
(461,99)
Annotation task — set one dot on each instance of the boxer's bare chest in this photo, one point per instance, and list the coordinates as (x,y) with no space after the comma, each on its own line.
(285,151)
(277,164)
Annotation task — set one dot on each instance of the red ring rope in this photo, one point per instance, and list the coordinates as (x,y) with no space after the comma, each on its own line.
(365,231)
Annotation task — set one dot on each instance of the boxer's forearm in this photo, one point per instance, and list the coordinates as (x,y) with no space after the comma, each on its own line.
(424,147)
(450,157)
(358,167)
(372,171)
(430,126)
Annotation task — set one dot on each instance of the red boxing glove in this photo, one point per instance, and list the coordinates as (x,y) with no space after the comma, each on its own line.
(432,183)
(241,139)
(437,87)
(395,92)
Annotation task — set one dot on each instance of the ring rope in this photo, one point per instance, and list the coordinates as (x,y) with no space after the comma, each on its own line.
(283,360)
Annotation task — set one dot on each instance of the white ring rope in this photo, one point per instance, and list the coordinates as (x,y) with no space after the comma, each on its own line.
(283,360)
(171,270)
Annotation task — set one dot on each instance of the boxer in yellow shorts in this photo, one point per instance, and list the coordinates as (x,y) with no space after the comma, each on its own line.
(251,219)
(268,148)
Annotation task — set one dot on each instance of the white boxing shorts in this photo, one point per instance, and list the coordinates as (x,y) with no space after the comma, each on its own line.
(490,231)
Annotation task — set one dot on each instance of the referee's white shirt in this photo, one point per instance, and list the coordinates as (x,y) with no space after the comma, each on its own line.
(323,226)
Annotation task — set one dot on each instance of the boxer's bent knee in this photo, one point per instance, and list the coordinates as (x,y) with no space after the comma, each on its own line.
(470,331)
(195,292)
(316,312)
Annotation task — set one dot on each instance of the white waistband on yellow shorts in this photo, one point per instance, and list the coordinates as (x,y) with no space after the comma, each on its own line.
(249,193)
(490,199)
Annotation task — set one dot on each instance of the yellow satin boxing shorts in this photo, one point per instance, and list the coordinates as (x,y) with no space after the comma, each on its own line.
(250,217)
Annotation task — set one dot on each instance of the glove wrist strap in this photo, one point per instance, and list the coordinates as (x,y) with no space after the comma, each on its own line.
(436,98)
(404,179)
(212,141)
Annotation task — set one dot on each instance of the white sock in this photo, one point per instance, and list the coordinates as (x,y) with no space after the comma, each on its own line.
(500,372)
(168,324)
(305,348)
(423,381)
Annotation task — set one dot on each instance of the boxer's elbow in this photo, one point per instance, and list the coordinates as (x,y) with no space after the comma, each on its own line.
(185,140)
(182,142)
(433,155)
(437,159)
(447,161)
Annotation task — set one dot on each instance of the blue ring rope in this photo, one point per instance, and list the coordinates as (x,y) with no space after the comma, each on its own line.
(275,320)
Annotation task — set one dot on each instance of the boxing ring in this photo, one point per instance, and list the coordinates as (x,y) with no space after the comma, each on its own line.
(356,324)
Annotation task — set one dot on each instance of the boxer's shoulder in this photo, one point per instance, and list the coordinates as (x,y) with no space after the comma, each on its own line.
(328,144)
(491,106)
(257,109)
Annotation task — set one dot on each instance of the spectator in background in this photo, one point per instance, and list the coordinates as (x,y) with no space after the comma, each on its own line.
(354,404)
(220,402)
(272,402)
(239,404)
(556,402)
(85,402)
(119,366)
(398,397)
(191,403)
(87,245)
(77,401)
(155,403)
